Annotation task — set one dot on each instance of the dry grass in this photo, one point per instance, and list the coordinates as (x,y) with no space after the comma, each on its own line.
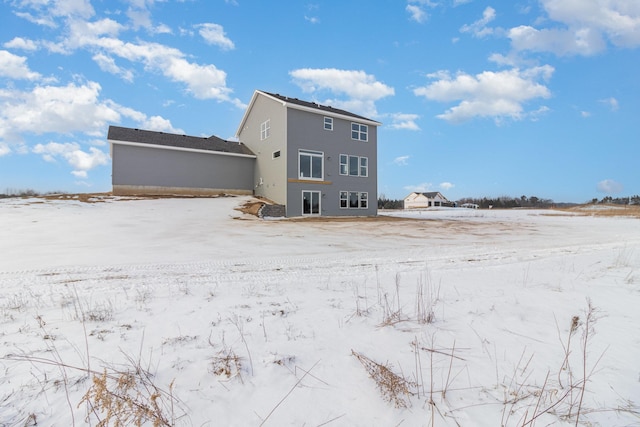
(395,388)
(129,398)
(605,210)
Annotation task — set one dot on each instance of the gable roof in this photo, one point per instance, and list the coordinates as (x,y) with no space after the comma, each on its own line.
(429,194)
(120,135)
(312,107)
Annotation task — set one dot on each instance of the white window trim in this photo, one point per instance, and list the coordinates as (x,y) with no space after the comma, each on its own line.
(327,121)
(265,129)
(348,199)
(340,164)
(319,203)
(360,132)
(311,153)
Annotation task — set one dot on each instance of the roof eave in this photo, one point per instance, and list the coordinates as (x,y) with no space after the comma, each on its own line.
(333,114)
(175,148)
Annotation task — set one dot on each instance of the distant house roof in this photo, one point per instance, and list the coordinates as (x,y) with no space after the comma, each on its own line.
(212,143)
(432,194)
(429,195)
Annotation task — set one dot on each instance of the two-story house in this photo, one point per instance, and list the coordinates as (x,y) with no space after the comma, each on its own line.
(310,158)
(314,159)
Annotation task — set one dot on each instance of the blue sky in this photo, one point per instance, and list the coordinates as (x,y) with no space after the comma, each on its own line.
(477,98)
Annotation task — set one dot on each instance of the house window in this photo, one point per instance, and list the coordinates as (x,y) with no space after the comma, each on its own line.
(265,130)
(310,203)
(354,165)
(328,123)
(344,164)
(354,162)
(363,200)
(354,200)
(276,154)
(344,199)
(310,164)
(364,166)
(359,132)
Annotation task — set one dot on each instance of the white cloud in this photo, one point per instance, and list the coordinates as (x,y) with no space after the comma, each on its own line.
(202,81)
(401,160)
(15,67)
(361,89)
(108,64)
(214,34)
(312,19)
(160,124)
(417,13)
(611,102)
(582,27)
(45,21)
(140,18)
(99,37)
(81,161)
(446,186)
(582,41)
(492,94)
(65,110)
(79,8)
(479,28)
(403,121)
(585,114)
(609,186)
(4,149)
(61,109)
(21,43)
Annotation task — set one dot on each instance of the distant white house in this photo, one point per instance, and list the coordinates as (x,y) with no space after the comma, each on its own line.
(425,200)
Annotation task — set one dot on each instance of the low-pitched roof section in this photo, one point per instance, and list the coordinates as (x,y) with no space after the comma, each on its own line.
(429,194)
(147,137)
(307,106)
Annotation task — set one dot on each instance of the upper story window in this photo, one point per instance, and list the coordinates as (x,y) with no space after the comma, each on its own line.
(328,123)
(265,130)
(354,165)
(359,132)
(310,164)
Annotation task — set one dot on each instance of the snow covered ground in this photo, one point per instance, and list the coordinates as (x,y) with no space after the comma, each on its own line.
(192,311)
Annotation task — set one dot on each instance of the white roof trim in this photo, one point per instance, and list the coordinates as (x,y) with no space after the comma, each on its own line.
(173,148)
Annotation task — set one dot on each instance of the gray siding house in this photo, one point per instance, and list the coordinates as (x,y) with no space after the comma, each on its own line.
(158,163)
(312,159)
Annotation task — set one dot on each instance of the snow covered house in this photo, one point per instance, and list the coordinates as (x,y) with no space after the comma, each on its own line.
(425,200)
(310,158)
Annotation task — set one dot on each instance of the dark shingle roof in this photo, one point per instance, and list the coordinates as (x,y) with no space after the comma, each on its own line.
(431,194)
(314,105)
(212,143)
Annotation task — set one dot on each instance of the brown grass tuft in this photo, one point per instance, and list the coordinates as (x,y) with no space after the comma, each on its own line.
(395,388)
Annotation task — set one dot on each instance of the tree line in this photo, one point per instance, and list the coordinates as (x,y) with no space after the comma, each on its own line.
(629,200)
(503,202)
(506,202)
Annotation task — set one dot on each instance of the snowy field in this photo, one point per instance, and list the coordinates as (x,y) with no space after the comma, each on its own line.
(188,312)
